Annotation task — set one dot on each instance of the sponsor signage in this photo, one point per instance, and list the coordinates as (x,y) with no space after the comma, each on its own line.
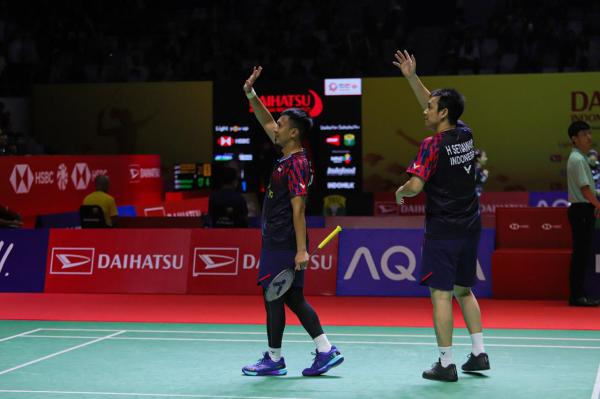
(343,87)
(63,181)
(548,199)
(227,261)
(23,260)
(540,227)
(310,102)
(593,273)
(118,261)
(387,263)
(185,208)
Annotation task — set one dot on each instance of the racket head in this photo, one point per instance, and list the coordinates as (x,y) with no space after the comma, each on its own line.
(280,284)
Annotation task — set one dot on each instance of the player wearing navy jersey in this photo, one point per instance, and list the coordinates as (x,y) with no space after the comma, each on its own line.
(284,238)
(445,169)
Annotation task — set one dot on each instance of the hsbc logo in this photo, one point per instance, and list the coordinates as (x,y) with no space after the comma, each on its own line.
(517,226)
(62,177)
(81,176)
(72,261)
(225,141)
(216,261)
(548,226)
(21,178)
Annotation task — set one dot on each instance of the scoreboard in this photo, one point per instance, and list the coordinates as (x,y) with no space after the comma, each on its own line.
(334,144)
(192,176)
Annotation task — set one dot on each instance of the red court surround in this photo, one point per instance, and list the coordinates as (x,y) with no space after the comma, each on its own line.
(247,309)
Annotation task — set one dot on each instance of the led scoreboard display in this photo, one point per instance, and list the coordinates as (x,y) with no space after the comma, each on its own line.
(333,145)
(192,176)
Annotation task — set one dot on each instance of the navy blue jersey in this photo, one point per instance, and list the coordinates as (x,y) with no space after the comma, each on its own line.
(291,177)
(446,162)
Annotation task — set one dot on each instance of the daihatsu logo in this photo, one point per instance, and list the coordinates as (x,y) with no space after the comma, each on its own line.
(216,261)
(72,261)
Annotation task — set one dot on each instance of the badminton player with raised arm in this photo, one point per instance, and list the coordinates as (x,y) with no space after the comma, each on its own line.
(284,237)
(445,169)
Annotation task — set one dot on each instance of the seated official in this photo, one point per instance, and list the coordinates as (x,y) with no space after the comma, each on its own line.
(227,207)
(104,200)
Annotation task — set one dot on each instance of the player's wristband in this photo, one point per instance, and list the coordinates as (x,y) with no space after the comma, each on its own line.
(251,95)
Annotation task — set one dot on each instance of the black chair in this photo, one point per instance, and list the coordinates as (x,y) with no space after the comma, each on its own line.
(91,216)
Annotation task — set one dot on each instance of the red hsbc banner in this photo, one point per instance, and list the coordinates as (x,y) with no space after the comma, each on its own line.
(533,228)
(37,185)
(118,261)
(227,260)
(190,207)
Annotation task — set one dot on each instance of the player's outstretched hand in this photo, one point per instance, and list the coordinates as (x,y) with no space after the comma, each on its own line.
(406,63)
(250,81)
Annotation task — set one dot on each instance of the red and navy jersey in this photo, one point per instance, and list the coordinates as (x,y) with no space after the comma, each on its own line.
(291,177)
(446,162)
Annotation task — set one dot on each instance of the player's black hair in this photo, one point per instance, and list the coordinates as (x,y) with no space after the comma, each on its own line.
(300,120)
(576,127)
(452,100)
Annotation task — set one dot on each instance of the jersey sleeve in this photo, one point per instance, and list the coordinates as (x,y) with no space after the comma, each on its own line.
(426,160)
(298,176)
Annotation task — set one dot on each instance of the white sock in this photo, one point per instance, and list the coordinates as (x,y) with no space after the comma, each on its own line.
(477,341)
(323,344)
(275,354)
(445,355)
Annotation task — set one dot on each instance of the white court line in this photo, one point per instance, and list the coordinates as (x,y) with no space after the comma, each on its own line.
(59,353)
(328,334)
(21,334)
(155,395)
(308,341)
(596,391)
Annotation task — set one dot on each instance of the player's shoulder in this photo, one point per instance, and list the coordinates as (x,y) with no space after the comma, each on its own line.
(433,140)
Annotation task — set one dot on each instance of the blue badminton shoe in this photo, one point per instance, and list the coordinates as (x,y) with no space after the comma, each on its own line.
(266,366)
(323,362)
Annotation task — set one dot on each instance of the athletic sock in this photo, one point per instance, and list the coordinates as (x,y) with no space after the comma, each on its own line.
(323,344)
(275,354)
(477,341)
(445,355)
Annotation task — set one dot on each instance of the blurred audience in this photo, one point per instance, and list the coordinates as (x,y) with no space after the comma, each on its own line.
(74,41)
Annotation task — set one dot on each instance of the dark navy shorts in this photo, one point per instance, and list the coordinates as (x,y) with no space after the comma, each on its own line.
(446,263)
(273,261)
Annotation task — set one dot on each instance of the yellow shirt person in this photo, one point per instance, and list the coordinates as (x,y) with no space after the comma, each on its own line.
(104,200)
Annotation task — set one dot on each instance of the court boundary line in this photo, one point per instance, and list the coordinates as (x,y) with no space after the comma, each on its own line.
(156,395)
(596,389)
(328,334)
(21,334)
(59,352)
(432,343)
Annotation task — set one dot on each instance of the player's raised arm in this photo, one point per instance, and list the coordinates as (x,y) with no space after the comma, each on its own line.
(260,111)
(408,65)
